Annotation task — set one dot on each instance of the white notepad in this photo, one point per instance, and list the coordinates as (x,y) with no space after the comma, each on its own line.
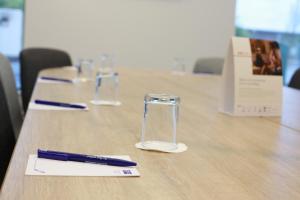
(35,106)
(40,80)
(45,167)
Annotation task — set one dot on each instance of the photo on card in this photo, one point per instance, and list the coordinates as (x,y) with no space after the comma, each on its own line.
(266,57)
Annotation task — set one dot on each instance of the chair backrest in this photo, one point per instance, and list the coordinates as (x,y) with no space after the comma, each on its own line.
(295,80)
(11,95)
(7,136)
(35,59)
(211,65)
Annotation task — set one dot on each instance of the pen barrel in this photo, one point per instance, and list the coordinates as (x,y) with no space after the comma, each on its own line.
(103,161)
(56,155)
(59,104)
(57,79)
(52,156)
(120,163)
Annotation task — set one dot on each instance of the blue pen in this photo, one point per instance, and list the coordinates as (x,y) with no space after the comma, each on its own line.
(59,104)
(56,79)
(62,156)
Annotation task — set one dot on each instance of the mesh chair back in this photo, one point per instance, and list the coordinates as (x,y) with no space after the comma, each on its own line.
(11,95)
(34,60)
(295,81)
(209,65)
(7,137)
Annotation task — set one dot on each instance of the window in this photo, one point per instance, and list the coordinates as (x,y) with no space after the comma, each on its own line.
(274,20)
(11,32)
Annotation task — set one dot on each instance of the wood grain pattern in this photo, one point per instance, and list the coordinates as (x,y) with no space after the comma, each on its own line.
(228,157)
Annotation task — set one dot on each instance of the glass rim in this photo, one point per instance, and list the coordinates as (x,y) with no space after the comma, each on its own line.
(107,74)
(161,98)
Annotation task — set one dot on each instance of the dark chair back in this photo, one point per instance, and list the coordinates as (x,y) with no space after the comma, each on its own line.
(12,98)
(211,65)
(7,137)
(295,80)
(35,59)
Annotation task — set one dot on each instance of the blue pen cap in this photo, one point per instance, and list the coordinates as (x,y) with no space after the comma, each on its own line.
(52,155)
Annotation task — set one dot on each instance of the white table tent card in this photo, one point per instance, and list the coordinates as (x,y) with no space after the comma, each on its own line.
(252,78)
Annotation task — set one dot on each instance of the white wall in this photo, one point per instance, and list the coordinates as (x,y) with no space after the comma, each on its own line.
(140,33)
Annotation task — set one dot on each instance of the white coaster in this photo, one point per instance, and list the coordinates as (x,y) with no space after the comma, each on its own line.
(180,148)
(81,80)
(106,103)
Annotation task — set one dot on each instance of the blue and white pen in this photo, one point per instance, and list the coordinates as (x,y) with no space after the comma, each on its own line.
(59,104)
(56,79)
(63,156)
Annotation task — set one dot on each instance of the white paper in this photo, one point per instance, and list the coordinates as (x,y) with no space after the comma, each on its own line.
(35,106)
(40,80)
(45,167)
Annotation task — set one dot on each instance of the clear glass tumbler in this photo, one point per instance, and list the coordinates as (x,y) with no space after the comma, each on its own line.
(160,121)
(106,63)
(107,89)
(178,66)
(85,70)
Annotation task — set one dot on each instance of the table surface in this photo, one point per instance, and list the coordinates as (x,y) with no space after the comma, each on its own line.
(291,109)
(227,157)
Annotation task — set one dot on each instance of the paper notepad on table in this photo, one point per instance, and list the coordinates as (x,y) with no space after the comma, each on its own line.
(45,167)
(35,106)
(44,80)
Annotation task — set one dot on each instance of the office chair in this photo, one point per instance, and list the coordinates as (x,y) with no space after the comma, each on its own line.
(35,59)
(295,80)
(10,115)
(211,65)
(11,95)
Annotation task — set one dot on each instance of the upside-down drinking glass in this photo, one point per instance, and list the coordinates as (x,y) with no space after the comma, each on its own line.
(160,121)
(107,89)
(85,70)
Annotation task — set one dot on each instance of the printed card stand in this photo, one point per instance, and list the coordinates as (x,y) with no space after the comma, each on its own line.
(252,78)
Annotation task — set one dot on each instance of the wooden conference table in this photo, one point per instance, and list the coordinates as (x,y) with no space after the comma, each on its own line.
(227,157)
